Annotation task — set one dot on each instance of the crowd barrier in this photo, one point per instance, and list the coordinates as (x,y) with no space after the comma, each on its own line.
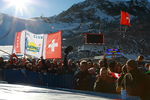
(43,79)
(36,78)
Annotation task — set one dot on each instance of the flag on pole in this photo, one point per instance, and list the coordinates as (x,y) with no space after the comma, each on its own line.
(115,75)
(53,46)
(125,18)
(47,45)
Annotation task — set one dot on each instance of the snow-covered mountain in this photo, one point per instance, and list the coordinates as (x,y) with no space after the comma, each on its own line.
(10,25)
(90,16)
(104,16)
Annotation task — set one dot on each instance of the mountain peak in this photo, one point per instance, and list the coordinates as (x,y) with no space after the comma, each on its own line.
(90,16)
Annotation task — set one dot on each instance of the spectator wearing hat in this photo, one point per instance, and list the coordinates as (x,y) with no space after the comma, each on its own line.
(141,63)
(71,66)
(83,79)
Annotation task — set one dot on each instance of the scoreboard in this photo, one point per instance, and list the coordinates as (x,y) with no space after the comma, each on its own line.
(94,38)
(113,51)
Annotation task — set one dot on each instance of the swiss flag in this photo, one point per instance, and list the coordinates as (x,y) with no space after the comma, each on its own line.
(115,75)
(125,18)
(53,46)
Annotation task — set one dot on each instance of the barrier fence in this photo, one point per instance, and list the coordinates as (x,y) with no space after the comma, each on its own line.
(36,78)
(43,79)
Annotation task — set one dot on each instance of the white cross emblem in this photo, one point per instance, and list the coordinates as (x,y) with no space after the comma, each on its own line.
(53,45)
(128,19)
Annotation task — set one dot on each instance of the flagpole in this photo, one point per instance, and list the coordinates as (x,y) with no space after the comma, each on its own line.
(25,44)
(120,30)
(43,45)
(122,34)
(126,28)
(14,43)
(99,27)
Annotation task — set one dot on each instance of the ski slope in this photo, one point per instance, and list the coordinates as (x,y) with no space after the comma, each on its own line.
(5,50)
(22,92)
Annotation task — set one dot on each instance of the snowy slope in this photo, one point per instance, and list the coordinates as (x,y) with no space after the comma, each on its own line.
(10,25)
(22,92)
(4,50)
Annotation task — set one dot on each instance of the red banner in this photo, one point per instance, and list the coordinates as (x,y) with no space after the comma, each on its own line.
(125,18)
(53,46)
(17,45)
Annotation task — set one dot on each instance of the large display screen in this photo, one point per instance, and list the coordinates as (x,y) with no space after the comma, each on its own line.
(93,38)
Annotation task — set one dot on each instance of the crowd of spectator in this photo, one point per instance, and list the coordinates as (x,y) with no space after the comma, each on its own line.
(108,76)
(38,65)
(114,77)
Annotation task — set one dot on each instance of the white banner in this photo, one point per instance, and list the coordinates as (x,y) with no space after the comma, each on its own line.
(33,44)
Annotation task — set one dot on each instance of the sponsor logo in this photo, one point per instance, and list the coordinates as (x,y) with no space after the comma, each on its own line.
(31,46)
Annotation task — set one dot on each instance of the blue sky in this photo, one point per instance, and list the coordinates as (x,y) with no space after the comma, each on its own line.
(38,7)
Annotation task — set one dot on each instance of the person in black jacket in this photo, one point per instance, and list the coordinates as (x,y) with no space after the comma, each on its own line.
(83,79)
(136,82)
(141,63)
(105,83)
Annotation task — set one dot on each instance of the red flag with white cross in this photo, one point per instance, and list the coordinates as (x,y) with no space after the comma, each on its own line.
(115,75)
(53,46)
(125,18)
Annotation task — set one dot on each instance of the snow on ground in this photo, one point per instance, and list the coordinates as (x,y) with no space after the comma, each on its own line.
(7,49)
(117,0)
(22,92)
(63,26)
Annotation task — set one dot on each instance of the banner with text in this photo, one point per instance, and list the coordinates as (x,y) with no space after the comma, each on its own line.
(47,45)
(34,44)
